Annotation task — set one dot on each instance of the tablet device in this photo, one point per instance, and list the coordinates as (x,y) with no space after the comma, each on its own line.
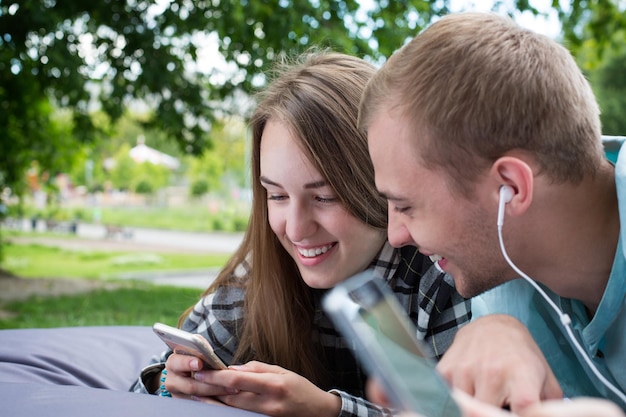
(367,313)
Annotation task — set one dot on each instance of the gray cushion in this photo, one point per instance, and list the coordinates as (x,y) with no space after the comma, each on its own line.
(108,357)
(32,399)
(78,371)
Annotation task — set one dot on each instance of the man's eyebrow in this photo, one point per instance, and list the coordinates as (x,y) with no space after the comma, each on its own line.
(311,185)
(390,197)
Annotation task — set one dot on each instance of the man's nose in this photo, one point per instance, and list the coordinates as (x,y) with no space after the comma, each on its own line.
(397,233)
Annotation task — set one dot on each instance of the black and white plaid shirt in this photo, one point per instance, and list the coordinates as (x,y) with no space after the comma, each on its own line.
(428,296)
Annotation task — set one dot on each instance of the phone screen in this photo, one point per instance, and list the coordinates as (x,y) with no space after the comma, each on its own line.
(386,344)
(429,391)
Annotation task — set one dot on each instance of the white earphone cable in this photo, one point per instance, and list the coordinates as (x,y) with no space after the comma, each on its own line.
(565,319)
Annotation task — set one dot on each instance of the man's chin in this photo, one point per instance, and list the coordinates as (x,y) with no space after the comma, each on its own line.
(469,291)
(465,290)
(469,286)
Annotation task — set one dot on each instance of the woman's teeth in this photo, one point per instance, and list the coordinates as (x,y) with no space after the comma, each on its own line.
(311,253)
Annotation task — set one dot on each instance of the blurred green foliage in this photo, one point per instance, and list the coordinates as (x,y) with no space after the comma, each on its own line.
(70,71)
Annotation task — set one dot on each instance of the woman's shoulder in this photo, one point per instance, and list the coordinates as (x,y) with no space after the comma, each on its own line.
(224,307)
(225,296)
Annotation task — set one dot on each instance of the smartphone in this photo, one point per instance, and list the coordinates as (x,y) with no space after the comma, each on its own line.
(187,343)
(384,340)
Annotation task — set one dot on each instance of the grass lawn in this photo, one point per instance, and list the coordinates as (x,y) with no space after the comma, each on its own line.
(139,304)
(130,303)
(37,261)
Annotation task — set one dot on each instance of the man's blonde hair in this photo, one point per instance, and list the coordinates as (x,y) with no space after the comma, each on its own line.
(476,85)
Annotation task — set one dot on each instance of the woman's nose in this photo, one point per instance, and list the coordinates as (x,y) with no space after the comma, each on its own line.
(301,222)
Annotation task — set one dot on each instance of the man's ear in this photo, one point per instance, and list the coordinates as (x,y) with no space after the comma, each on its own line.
(518,175)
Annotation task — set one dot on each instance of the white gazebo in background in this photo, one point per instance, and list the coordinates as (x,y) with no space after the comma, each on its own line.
(144,153)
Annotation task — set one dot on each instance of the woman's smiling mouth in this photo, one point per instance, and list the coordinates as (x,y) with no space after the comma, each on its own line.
(313,252)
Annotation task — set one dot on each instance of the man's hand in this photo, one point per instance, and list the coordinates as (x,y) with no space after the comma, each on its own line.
(496,360)
(471,407)
(579,407)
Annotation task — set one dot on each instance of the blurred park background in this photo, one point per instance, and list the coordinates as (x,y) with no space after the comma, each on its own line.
(124,120)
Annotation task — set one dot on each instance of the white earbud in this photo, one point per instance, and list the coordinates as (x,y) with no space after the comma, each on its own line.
(506,194)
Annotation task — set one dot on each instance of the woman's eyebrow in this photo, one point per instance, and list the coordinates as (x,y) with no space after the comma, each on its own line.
(308,186)
(316,184)
(266,180)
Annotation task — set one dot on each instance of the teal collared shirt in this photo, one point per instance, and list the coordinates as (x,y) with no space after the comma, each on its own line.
(603,338)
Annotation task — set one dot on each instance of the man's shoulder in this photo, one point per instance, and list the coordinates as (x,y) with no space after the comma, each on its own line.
(511,298)
(613,146)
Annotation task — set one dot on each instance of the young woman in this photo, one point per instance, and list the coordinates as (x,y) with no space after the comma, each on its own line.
(316,220)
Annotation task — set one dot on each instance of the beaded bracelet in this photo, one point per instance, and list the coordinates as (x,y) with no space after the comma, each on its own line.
(162,391)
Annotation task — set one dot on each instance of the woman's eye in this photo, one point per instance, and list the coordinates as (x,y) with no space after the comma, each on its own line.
(326,199)
(276,197)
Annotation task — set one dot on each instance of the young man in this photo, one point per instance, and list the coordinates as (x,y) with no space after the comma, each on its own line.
(499,126)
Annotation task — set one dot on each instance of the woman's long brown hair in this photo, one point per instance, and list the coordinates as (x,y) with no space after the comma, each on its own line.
(317,96)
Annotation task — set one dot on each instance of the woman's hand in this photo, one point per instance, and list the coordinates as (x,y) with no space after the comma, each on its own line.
(267,389)
(181,384)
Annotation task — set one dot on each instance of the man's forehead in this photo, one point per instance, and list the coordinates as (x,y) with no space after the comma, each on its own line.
(395,167)
(391,138)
